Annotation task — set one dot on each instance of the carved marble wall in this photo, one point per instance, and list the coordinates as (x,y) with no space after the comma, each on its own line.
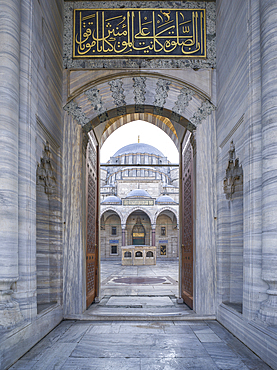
(233,189)
(31,70)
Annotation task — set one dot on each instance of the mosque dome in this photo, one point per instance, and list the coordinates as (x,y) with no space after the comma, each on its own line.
(112,199)
(138,193)
(165,199)
(138,148)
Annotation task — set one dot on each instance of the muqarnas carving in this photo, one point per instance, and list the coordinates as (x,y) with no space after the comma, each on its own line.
(234,174)
(45,176)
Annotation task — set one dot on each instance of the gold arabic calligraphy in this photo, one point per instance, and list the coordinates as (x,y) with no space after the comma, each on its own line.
(132,32)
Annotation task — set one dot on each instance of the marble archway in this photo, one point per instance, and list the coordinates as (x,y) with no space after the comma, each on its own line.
(99,104)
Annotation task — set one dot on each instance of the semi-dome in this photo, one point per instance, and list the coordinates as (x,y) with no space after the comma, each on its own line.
(112,199)
(138,193)
(165,199)
(138,148)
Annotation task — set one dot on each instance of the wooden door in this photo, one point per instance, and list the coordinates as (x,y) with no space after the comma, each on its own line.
(187,232)
(92,223)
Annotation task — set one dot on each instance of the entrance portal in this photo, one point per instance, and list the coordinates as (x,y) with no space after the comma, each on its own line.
(101,106)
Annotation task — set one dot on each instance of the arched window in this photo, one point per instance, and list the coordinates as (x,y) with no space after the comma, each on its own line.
(127,254)
(149,254)
(138,233)
(139,254)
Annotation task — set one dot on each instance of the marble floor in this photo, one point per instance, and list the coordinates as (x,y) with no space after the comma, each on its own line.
(131,333)
(144,345)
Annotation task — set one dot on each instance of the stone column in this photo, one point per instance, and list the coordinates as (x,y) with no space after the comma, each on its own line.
(153,235)
(9,119)
(268,14)
(123,235)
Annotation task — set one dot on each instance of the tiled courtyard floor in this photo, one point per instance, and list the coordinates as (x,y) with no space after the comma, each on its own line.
(166,270)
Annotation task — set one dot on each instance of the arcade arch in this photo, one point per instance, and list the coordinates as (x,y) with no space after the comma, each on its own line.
(138,228)
(101,105)
(110,233)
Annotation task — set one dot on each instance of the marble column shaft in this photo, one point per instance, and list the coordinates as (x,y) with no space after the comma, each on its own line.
(153,236)
(9,120)
(123,235)
(268,14)
(252,176)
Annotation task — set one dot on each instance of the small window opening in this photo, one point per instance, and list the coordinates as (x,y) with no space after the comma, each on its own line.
(113,249)
(127,255)
(163,250)
(149,254)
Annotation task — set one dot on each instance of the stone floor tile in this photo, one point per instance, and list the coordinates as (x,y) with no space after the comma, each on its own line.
(143,328)
(208,338)
(110,328)
(38,350)
(249,358)
(75,333)
(178,364)
(224,357)
(55,357)
(177,329)
(206,330)
(142,345)
(24,365)
(102,364)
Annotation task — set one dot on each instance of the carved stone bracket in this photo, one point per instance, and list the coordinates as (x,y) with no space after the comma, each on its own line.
(234,174)
(95,99)
(45,175)
(117,92)
(183,100)
(76,112)
(139,89)
(202,113)
(161,92)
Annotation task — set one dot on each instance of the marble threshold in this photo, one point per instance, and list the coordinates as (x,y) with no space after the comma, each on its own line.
(140,312)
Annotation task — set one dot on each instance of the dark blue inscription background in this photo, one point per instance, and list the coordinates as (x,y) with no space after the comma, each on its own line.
(139,33)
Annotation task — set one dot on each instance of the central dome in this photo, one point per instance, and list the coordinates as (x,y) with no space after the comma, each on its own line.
(138,148)
(138,193)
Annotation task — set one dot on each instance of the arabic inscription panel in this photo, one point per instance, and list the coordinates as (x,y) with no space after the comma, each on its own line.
(98,40)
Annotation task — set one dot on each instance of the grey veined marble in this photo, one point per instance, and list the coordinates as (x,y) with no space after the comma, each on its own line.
(9,122)
(268,8)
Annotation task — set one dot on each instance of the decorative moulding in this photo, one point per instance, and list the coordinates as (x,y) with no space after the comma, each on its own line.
(234,174)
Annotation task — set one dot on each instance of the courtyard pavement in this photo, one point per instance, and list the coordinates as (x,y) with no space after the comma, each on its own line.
(131,333)
(167,271)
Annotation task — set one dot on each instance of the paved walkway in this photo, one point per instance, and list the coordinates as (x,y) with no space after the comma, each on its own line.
(142,327)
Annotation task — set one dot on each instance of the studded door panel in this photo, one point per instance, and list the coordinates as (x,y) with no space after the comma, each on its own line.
(92,225)
(187,234)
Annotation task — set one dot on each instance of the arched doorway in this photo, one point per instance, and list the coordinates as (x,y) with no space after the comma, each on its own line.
(181,113)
